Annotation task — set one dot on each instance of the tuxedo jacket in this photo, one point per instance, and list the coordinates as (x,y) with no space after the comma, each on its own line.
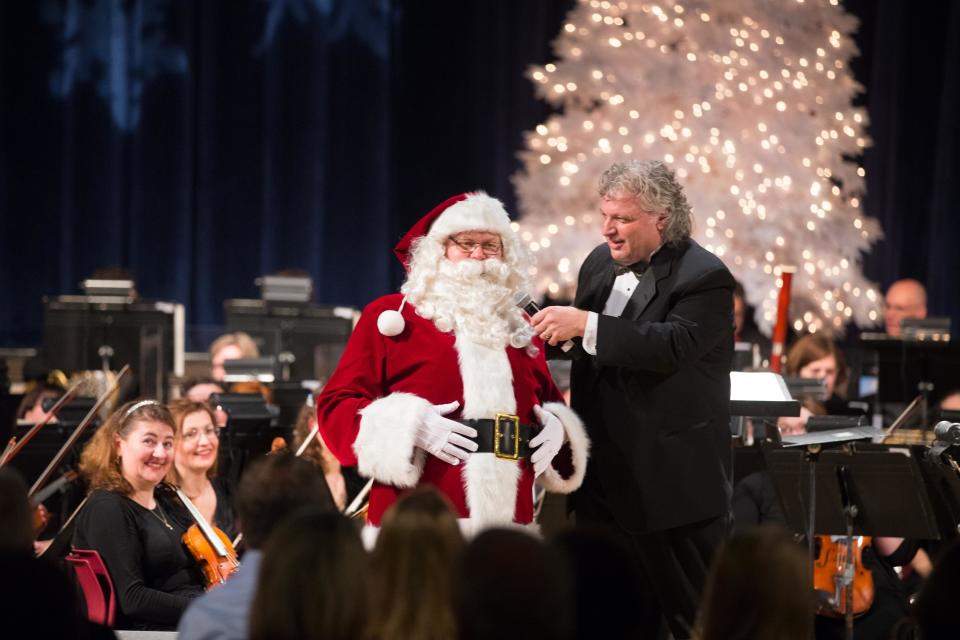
(656,396)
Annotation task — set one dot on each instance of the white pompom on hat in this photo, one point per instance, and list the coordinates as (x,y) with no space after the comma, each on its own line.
(391,323)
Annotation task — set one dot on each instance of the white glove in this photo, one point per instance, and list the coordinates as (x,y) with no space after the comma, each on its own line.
(547,442)
(447,439)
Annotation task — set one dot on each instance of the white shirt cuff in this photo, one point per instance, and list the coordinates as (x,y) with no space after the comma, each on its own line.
(590,334)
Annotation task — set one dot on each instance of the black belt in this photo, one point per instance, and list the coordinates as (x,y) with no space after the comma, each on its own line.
(504,436)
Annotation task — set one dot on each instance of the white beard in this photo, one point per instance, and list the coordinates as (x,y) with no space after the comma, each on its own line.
(472,299)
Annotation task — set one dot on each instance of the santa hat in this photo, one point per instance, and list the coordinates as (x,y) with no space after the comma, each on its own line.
(475,211)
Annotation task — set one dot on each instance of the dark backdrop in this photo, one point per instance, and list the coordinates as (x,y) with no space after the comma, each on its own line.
(202,144)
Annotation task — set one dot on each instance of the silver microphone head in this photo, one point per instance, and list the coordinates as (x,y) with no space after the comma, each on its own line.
(521,298)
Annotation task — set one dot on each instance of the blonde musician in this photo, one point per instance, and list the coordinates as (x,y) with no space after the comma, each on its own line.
(194,468)
(135,527)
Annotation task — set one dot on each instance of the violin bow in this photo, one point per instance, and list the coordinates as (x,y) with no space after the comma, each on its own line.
(306,441)
(14,447)
(72,440)
(354,508)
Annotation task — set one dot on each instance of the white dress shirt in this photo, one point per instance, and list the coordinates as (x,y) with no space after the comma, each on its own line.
(623,288)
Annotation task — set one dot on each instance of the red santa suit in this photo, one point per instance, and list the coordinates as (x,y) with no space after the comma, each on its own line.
(370,409)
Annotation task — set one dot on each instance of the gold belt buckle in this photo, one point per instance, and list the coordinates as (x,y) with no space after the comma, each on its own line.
(498,433)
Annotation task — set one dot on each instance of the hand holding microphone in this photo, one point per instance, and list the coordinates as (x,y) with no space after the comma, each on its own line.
(555,325)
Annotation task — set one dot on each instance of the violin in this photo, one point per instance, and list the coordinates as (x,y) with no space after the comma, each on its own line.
(839,575)
(209,546)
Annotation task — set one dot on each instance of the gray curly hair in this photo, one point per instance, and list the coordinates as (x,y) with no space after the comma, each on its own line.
(654,187)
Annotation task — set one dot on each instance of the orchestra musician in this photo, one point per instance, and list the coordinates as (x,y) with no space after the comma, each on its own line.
(905,298)
(31,406)
(816,356)
(194,467)
(230,346)
(135,527)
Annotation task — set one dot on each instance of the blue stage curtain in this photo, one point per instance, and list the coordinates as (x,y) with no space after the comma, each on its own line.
(911,69)
(199,144)
(202,144)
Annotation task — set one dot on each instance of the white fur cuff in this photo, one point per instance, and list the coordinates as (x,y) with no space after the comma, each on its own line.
(579,443)
(385,444)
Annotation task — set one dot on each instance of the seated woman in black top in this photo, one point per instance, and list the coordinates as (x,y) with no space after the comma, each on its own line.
(134,526)
(816,356)
(194,468)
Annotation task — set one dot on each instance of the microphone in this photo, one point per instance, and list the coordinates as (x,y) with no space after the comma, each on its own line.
(523,300)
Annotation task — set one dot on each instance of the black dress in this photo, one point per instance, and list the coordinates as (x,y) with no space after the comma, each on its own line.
(223,516)
(153,577)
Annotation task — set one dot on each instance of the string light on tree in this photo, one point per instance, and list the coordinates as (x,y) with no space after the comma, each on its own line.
(751,103)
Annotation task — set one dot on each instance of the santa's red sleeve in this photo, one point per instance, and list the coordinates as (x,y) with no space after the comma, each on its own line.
(361,422)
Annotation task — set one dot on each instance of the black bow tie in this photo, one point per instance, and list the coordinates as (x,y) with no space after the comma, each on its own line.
(637,267)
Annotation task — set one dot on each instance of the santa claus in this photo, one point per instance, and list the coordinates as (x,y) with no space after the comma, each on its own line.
(447,384)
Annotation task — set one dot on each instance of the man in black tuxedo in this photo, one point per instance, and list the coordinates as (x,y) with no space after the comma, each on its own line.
(652,329)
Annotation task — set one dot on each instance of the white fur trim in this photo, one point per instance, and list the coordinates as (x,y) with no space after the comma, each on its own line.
(576,434)
(385,444)
(368,535)
(487,380)
(490,484)
(478,212)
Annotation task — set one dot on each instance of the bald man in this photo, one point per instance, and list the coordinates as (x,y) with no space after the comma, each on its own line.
(905,299)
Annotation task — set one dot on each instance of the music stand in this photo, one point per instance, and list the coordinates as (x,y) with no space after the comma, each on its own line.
(311,338)
(813,388)
(249,431)
(906,368)
(760,394)
(856,489)
(885,483)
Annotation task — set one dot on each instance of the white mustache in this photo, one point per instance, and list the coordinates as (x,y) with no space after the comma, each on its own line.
(490,269)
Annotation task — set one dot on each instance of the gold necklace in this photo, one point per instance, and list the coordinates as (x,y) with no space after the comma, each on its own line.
(161,516)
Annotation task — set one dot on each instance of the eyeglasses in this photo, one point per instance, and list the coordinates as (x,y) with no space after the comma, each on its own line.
(469,246)
(212,433)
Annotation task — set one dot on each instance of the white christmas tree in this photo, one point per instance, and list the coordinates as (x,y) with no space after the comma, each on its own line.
(750,101)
